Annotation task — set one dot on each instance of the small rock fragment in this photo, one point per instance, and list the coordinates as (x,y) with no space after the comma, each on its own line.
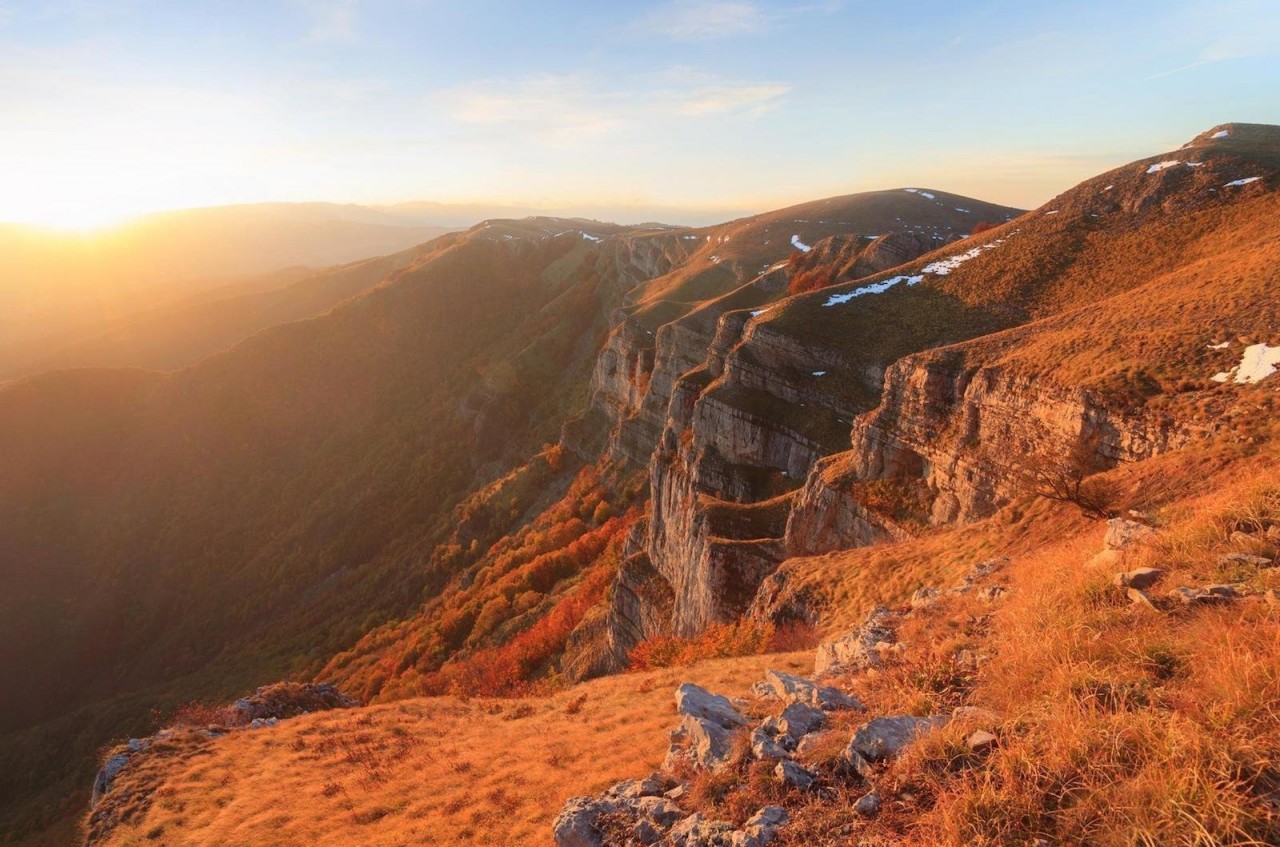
(868,805)
(981,741)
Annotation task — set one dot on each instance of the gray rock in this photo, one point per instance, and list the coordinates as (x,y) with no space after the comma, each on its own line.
(763,689)
(106,775)
(1140,578)
(650,786)
(794,775)
(1196,596)
(710,744)
(577,825)
(868,805)
(761,828)
(980,741)
(883,738)
(696,701)
(857,763)
(799,719)
(1122,533)
(830,699)
(1229,592)
(859,649)
(796,689)
(660,810)
(697,831)
(804,745)
(1247,559)
(764,747)
(1138,597)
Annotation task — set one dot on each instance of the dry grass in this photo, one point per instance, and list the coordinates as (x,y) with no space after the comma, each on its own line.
(427,771)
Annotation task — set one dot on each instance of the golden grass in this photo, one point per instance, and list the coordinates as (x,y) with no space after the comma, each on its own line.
(425,771)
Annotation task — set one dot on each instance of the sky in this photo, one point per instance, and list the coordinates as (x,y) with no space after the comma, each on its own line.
(113,109)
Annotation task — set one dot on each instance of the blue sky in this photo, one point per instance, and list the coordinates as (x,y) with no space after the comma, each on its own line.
(116,108)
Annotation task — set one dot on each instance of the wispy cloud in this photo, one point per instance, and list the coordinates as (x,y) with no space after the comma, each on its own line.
(330,20)
(704,20)
(563,110)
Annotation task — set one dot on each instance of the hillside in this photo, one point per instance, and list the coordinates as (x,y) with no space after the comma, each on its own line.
(1129,726)
(252,515)
(551,449)
(59,288)
(181,334)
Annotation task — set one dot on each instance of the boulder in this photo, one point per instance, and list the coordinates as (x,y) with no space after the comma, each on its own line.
(695,701)
(793,775)
(868,805)
(710,744)
(795,689)
(884,738)
(761,827)
(859,649)
(1138,597)
(1122,533)
(697,831)
(800,719)
(764,747)
(1198,596)
(980,741)
(1140,578)
(577,825)
(633,789)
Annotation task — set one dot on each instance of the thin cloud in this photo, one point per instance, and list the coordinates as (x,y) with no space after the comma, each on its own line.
(331,20)
(564,110)
(704,20)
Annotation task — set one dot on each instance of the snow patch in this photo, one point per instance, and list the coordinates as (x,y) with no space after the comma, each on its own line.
(874,288)
(1194,164)
(1256,364)
(819,373)
(1222,133)
(1108,188)
(1223,346)
(1244,181)
(799,245)
(590,237)
(1161,166)
(1052,212)
(962,211)
(755,312)
(946,266)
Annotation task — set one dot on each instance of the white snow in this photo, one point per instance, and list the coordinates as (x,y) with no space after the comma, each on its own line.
(819,373)
(1052,212)
(755,312)
(1194,164)
(1244,181)
(1108,188)
(1223,346)
(926,194)
(962,211)
(690,238)
(1256,364)
(589,236)
(911,190)
(946,266)
(1160,166)
(874,288)
(1222,133)
(799,245)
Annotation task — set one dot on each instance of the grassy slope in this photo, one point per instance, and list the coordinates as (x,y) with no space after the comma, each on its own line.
(1125,725)
(438,770)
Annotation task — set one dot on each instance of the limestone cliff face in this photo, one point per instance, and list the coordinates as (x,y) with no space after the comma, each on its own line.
(955,434)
